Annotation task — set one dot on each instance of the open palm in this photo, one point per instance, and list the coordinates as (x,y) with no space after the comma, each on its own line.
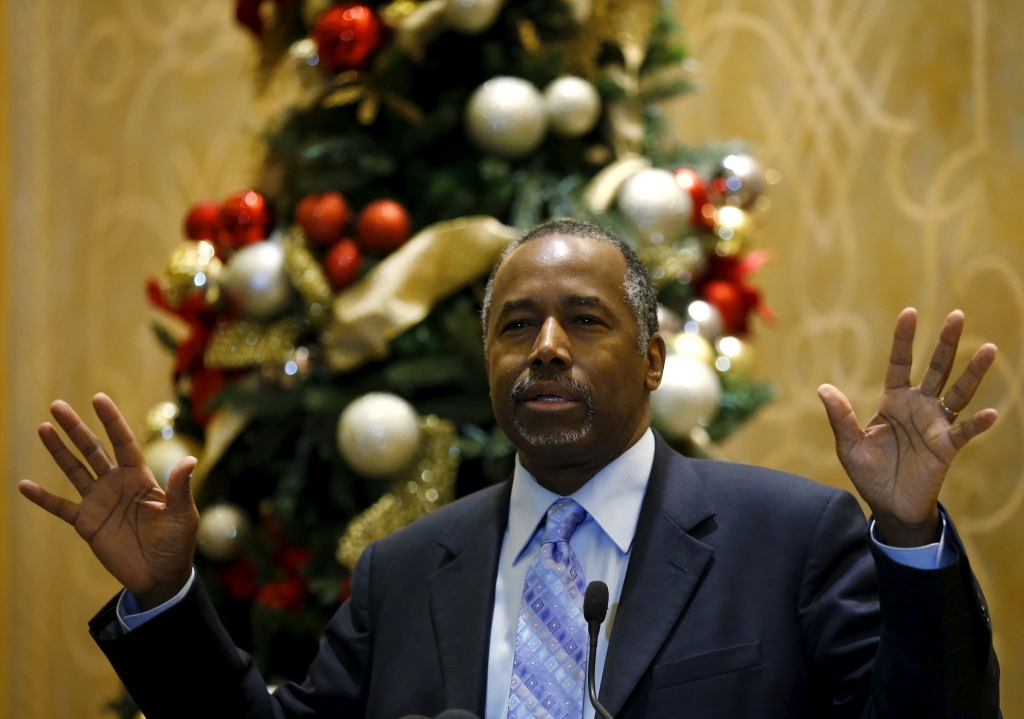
(899,460)
(145,537)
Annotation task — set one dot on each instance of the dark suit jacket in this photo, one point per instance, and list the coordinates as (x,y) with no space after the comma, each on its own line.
(749,593)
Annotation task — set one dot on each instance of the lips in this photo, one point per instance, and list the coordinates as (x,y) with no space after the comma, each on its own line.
(548,392)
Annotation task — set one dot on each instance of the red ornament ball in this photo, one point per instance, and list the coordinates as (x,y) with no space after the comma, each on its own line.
(323,217)
(342,264)
(347,35)
(727,298)
(245,218)
(694,185)
(383,226)
(202,221)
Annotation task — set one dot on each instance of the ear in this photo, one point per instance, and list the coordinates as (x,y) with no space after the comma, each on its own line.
(656,353)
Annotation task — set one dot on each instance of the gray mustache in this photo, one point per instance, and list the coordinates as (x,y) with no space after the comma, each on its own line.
(579,389)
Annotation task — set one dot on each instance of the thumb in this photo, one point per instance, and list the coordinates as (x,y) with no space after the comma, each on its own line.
(840,415)
(179,487)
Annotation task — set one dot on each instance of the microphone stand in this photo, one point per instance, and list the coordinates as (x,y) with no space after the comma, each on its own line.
(595,608)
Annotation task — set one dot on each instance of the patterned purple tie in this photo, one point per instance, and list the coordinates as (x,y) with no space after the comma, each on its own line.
(550,666)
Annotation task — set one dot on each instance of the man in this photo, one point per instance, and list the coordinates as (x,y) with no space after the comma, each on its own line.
(737,591)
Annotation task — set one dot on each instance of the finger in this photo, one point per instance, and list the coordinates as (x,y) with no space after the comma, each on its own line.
(69,464)
(963,432)
(179,487)
(57,506)
(960,394)
(897,375)
(937,375)
(840,415)
(82,437)
(126,449)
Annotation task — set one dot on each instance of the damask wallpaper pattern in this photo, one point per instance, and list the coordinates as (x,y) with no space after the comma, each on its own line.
(896,126)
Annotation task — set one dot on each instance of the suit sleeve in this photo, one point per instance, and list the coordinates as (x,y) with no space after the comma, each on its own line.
(886,640)
(183,663)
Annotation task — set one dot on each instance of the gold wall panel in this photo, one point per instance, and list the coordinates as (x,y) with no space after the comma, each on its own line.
(898,128)
(123,113)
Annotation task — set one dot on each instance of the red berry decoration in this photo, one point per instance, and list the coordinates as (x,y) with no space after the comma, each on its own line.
(695,186)
(244,219)
(342,264)
(728,298)
(202,221)
(323,217)
(347,35)
(383,226)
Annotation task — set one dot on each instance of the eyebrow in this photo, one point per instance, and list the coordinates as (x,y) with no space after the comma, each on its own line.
(571,300)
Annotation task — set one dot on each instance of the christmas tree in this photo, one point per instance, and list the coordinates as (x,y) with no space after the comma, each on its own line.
(330,374)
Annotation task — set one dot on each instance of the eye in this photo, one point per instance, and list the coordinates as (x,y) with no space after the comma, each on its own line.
(514,325)
(588,321)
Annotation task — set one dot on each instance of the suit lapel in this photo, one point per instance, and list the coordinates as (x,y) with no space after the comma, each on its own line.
(665,568)
(462,599)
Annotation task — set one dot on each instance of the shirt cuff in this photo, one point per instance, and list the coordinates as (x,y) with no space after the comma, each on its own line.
(129,610)
(931,556)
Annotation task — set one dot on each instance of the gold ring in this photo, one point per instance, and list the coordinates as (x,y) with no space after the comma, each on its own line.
(950,414)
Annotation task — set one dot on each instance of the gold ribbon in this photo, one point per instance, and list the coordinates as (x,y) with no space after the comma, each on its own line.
(405,286)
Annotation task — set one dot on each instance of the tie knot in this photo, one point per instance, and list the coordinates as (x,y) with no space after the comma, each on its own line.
(563,518)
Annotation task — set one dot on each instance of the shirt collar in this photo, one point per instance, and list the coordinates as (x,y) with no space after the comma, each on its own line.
(612,497)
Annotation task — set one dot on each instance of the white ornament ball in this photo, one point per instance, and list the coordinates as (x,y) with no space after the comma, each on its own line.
(163,454)
(574,107)
(222,529)
(743,179)
(703,318)
(378,434)
(688,397)
(506,117)
(471,17)
(655,205)
(255,280)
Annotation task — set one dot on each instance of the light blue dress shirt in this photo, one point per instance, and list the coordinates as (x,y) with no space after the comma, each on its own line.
(602,544)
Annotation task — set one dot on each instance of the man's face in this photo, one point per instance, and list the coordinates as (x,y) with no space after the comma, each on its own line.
(567,380)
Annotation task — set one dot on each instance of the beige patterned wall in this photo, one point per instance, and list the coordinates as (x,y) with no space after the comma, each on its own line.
(896,126)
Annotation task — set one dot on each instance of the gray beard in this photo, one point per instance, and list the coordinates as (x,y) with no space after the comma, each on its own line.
(553,439)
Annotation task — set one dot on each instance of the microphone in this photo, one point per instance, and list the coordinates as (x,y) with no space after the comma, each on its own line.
(595,609)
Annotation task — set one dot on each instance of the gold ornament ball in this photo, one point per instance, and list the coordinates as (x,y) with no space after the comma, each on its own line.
(378,434)
(654,204)
(506,117)
(743,179)
(192,267)
(160,420)
(311,10)
(162,455)
(694,346)
(256,281)
(704,319)
(689,396)
(734,355)
(734,226)
(471,17)
(574,106)
(222,529)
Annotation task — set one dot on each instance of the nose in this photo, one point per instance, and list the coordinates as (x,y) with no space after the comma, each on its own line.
(551,346)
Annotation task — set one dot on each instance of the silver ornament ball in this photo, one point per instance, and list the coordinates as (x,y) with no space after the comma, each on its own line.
(506,117)
(688,397)
(657,208)
(378,434)
(471,17)
(574,107)
(742,178)
(703,318)
(255,280)
(163,454)
(222,529)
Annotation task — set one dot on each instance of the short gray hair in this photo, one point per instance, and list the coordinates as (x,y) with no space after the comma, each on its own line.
(638,288)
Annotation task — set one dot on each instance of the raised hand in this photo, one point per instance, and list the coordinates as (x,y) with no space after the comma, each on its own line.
(899,460)
(143,536)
